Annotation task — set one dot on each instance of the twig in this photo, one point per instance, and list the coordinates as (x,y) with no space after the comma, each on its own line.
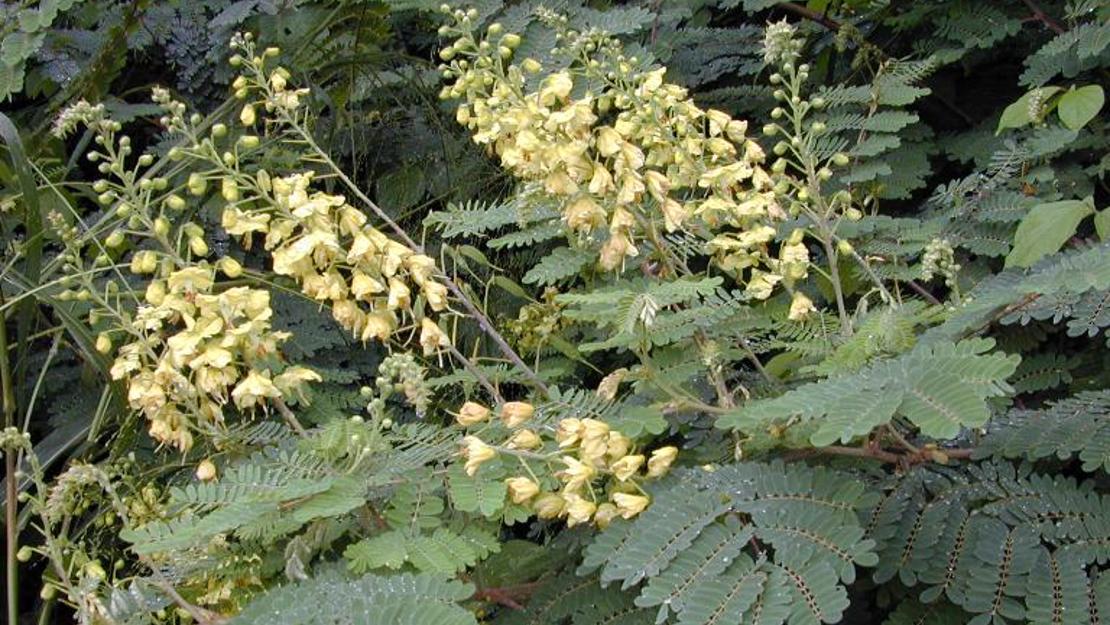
(932,299)
(810,14)
(1043,17)
(504,595)
(289,417)
(11,503)
(908,459)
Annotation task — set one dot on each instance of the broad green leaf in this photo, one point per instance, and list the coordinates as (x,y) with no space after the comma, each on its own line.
(1026,110)
(1102,224)
(1080,106)
(402,188)
(1045,230)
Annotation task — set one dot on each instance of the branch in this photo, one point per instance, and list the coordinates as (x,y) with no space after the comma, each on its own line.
(504,595)
(1040,15)
(907,459)
(810,14)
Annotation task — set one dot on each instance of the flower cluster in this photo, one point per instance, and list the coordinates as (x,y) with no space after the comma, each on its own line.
(661,163)
(194,350)
(939,260)
(584,471)
(328,246)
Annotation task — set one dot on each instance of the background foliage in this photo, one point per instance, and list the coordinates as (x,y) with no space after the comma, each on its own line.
(914,429)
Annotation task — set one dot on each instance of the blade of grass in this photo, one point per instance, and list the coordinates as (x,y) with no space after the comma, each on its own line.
(32,236)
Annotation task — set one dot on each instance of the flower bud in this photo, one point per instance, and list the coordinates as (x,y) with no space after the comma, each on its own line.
(206,470)
(524,439)
(521,489)
(229,189)
(103,343)
(247,115)
(114,240)
(230,267)
(472,413)
(175,202)
(531,66)
(549,506)
(198,246)
(515,413)
(197,184)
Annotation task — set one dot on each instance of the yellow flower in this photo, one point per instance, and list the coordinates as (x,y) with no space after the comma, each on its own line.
(576,474)
(657,184)
(674,214)
(800,307)
(471,413)
(615,250)
(761,284)
(291,382)
(559,183)
(627,466)
(476,452)
(595,441)
(661,460)
(524,439)
(549,506)
(630,505)
(601,182)
(568,432)
(399,294)
(363,285)
(617,446)
(431,337)
(515,413)
(521,489)
(379,325)
(436,294)
(206,470)
(190,279)
(584,214)
(579,510)
(254,388)
(555,87)
(609,141)
(605,514)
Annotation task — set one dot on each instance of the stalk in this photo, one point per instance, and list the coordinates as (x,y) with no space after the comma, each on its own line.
(11,502)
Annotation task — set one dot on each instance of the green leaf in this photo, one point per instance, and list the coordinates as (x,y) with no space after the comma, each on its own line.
(475,493)
(1102,224)
(1045,230)
(1079,106)
(1021,112)
(402,188)
(386,550)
